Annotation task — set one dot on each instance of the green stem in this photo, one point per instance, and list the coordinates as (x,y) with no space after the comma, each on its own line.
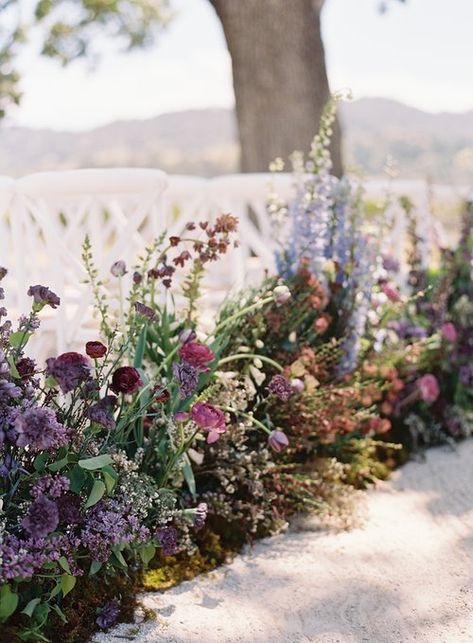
(240,313)
(252,419)
(263,358)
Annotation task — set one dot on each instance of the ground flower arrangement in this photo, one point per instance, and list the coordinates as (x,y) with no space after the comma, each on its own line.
(160,449)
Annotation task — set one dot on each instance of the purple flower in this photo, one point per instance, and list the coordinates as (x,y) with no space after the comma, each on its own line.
(3,273)
(280,387)
(69,370)
(137,278)
(278,441)
(69,507)
(449,332)
(8,466)
(53,486)
(42,518)
(181,416)
(39,429)
(167,537)
(209,419)
(197,355)
(118,269)
(200,515)
(96,350)
(465,375)
(8,391)
(108,615)
(187,335)
(126,379)
(43,296)
(102,412)
(145,311)
(187,377)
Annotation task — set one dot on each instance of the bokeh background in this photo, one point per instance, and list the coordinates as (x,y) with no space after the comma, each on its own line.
(409,66)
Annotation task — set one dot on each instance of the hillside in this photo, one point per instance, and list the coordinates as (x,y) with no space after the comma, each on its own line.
(204,142)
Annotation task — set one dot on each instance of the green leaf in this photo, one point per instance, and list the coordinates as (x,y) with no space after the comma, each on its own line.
(99,461)
(8,602)
(60,613)
(64,564)
(147,553)
(119,556)
(78,478)
(56,589)
(189,475)
(140,347)
(95,566)
(13,368)
(18,339)
(60,464)
(110,480)
(31,606)
(98,490)
(39,463)
(67,583)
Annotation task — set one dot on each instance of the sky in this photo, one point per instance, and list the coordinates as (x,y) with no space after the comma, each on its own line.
(420,53)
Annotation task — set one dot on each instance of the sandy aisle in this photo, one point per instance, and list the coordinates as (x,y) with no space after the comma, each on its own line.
(407,575)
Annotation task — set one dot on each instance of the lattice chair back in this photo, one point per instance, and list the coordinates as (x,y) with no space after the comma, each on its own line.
(44,225)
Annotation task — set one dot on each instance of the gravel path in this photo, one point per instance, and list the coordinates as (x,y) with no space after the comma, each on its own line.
(406,575)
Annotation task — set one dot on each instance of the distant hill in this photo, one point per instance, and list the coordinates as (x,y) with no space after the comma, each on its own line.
(205,142)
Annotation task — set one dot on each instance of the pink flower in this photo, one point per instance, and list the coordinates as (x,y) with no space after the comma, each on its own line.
(449,332)
(197,355)
(391,293)
(209,419)
(278,441)
(428,388)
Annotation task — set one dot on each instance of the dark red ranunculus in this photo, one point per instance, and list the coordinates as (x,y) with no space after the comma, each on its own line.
(95,349)
(197,355)
(126,379)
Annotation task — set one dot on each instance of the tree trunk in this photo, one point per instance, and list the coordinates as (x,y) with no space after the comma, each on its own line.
(279,77)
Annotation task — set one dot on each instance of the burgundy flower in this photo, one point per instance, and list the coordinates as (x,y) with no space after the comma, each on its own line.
(96,350)
(449,332)
(280,387)
(69,370)
(428,388)
(69,507)
(196,354)
(43,296)
(26,367)
(278,441)
(42,518)
(209,419)
(137,278)
(126,379)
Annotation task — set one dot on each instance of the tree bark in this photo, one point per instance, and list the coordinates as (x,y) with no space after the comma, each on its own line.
(279,77)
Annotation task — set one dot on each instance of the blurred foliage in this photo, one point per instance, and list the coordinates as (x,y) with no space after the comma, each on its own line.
(69,30)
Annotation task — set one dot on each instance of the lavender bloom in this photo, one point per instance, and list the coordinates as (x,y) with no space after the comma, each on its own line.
(167,537)
(69,370)
(43,296)
(108,615)
(102,412)
(280,387)
(42,518)
(8,391)
(278,441)
(145,311)
(187,377)
(39,429)
(53,486)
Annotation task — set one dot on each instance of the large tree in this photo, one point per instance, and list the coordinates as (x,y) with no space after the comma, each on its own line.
(277,53)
